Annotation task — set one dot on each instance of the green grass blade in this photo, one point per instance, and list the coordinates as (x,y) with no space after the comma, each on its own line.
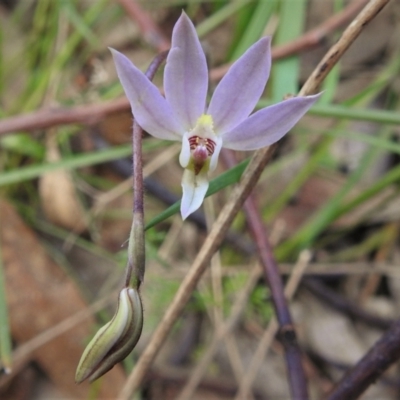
(227,178)
(5,335)
(79,24)
(255,27)
(219,17)
(365,114)
(329,212)
(78,161)
(285,73)
(345,112)
(298,180)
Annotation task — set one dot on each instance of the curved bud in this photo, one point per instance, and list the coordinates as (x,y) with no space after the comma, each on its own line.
(115,340)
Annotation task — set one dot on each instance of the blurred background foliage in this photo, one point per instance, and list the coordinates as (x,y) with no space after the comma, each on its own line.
(332,187)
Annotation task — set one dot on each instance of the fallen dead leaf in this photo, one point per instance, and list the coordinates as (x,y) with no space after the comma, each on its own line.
(58,195)
(40,295)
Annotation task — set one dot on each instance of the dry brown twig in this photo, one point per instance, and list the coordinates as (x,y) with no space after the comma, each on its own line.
(49,117)
(382,354)
(249,179)
(230,323)
(273,326)
(225,328)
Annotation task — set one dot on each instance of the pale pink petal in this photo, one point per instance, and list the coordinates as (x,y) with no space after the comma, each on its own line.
(184,156)
(215,155)
(194,190)
(149,108)
(239,91)
(268,125)
(186,75)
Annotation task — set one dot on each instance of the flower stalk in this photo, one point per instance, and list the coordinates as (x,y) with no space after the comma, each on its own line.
(136,249)
(115,340)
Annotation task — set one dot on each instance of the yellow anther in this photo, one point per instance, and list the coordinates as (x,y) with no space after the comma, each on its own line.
(205,120)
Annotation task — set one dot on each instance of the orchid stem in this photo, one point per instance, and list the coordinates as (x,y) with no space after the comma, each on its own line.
(136,249)
(287,334)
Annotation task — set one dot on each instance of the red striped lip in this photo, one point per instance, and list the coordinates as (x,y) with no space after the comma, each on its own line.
(195,141)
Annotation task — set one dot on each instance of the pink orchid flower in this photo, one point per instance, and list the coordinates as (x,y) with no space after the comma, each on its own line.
(227,121)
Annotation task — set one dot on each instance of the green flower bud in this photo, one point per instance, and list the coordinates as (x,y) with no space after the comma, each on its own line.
(115,340)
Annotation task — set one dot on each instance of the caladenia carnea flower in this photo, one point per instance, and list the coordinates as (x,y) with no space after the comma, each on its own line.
(183,115)
(115,340)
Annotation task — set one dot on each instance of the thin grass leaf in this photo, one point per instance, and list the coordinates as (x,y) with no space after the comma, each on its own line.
(227,178)
(389,178)
(329,212)
(285,73)
(382,81)
(5,335)
(355,114)
(62,57)
(345,112)
(242,20)
(376,141)
(1,63)
(220,16)
(255,27)
(78,161)
(298,180)
(330,84)
(80,24)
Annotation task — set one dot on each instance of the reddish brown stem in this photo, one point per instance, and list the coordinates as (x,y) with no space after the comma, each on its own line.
(383,354)
(287,334)
(136,258)
(46,118)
